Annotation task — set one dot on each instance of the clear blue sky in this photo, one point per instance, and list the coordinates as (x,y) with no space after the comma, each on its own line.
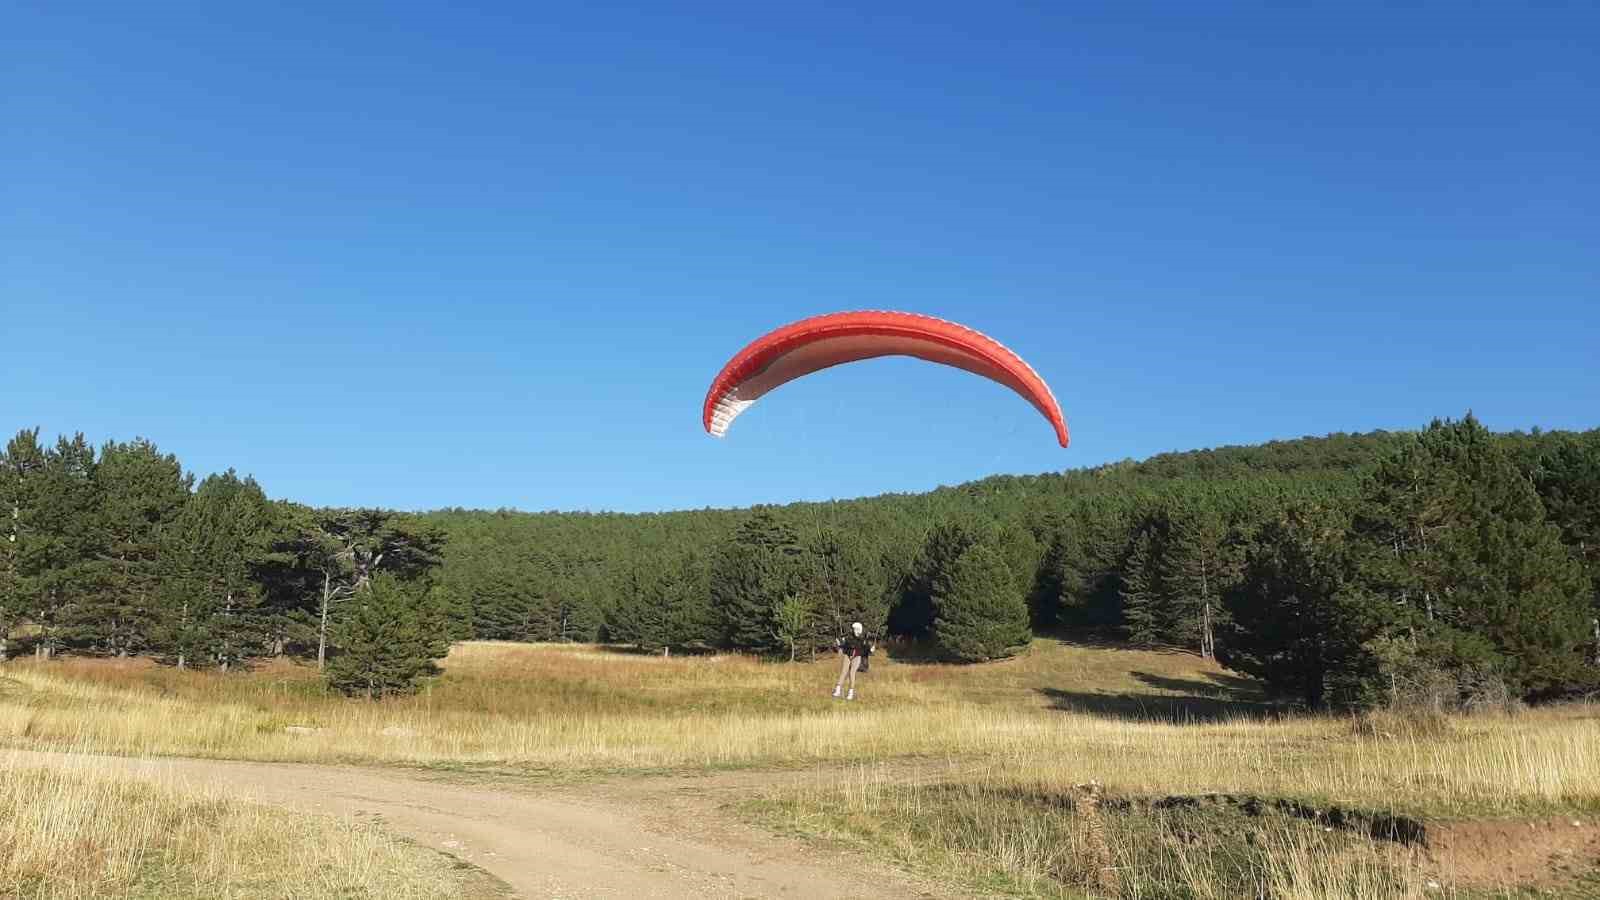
(492,254)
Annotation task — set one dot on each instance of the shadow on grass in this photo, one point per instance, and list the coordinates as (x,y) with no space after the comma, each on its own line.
(1106,639)
(635,650)
(925,651)
(1216,685)
(1183,701)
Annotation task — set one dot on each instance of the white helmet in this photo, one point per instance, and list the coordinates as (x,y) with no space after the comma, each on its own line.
(856,627)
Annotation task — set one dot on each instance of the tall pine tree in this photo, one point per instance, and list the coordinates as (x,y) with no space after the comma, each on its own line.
(913,613)
(141,495)
(1145,615)
(980,612)
(1197,567)
(61,541)
(844,579)
(1569,483)
(213,614)
(1453,519)
(23,540)
(1292,622)
(758,567)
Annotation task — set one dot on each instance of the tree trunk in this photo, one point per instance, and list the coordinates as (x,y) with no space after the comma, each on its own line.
(226,655)
(1427,595)
(183,628)
(5,626)
(322,629)
(1595,621)
(1313,690)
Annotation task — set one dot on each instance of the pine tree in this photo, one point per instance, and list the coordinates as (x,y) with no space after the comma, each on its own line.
(288,584)
(455,616)
(847,583)
(691,620)
(913,614)
(1057,581)
(331,555)
(639,618)
(1398,519)
(141,494)
(22,467)
(60,542)
(1097,553)
(388,641)
(1021,552)
(759,567)
(1196,568)
(1569,484)
(1144,614)
(980,614)
(506,602)
(1078,581)
(575,613)
(1292,622)
(1453,518)
(212,611)
(665,605)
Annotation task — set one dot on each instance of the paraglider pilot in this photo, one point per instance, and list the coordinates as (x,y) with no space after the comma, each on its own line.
(855,648)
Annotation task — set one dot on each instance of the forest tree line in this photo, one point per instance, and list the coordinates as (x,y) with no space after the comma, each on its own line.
(116,551)
(1343,570)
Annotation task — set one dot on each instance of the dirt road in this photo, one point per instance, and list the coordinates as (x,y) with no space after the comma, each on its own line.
(633,838)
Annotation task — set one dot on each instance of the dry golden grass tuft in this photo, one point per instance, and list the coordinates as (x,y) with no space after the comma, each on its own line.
(81,830)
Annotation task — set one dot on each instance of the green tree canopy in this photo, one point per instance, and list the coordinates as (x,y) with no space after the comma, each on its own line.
(980,613)
(389,641)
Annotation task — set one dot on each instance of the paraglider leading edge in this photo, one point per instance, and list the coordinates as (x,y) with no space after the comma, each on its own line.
(810,345)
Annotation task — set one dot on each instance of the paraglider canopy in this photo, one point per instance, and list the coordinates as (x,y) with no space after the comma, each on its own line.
(813,344)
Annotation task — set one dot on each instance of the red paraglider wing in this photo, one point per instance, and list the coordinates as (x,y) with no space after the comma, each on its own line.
(810,345)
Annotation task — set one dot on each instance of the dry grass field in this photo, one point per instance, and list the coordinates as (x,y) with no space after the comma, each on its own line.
(81,830)
(1072,769)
